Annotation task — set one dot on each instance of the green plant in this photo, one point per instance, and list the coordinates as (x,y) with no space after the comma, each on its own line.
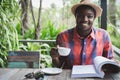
(50,31)
(115,36)
(9,10)
(8,41)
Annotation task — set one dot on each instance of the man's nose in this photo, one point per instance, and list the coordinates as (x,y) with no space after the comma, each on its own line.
(85,18)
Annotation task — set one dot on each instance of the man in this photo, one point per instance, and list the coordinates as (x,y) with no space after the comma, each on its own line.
(85,41)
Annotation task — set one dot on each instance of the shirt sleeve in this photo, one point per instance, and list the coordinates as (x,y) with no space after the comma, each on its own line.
(59,39)
(107,50)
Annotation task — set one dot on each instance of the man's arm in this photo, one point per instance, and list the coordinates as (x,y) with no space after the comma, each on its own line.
(108,50)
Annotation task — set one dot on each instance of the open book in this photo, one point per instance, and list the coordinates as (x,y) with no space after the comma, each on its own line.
(101,66)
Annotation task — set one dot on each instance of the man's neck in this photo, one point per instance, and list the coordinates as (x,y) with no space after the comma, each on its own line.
(84,34)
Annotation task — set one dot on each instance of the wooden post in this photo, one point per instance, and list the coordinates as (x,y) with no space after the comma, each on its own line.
(104,14)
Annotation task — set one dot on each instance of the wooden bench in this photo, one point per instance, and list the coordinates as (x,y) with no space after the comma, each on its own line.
(29,57)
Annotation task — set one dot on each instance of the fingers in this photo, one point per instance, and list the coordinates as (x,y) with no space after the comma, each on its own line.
(54,52)
(57,46)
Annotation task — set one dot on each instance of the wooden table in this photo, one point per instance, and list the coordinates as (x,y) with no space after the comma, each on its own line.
(18,74)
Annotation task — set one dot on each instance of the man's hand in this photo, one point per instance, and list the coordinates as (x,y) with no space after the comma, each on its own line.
(55,57)
(54,53)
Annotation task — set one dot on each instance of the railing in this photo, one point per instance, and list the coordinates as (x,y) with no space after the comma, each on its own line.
(40,41)
(116,50)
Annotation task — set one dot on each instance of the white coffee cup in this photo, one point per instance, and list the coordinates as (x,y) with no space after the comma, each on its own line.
(63,51)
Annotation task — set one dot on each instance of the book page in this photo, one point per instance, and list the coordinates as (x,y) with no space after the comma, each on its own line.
(83,71)
(99,61)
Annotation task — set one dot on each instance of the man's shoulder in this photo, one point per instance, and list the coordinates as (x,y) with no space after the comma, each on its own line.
(68,31)
(100,30)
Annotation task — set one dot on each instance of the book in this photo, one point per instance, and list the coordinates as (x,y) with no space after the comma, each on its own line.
(101,65)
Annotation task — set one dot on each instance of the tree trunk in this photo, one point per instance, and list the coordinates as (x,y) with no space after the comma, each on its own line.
(38,27)
(63,12)
(24,16)
(33,17)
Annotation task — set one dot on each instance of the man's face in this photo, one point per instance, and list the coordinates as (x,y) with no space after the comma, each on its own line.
(84,18)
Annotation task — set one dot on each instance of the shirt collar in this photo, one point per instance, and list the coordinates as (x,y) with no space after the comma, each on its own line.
(92,34)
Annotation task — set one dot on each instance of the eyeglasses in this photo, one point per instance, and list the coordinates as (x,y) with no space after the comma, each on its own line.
(38,75)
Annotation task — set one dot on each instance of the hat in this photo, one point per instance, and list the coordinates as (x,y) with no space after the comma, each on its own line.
(97,8)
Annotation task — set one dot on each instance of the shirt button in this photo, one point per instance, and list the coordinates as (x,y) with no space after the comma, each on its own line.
(85,43)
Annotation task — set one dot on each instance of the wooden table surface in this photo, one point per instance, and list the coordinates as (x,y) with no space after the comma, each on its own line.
(18,74)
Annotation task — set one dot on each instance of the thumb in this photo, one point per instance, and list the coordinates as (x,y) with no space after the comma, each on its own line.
(57,46)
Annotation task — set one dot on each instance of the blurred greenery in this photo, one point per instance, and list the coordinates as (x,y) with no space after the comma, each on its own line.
(114,35)
(9,11)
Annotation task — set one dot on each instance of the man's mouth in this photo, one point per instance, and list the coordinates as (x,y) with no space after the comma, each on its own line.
(84,24)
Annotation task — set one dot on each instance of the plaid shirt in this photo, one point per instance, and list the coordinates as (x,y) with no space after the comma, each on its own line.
(83,51)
